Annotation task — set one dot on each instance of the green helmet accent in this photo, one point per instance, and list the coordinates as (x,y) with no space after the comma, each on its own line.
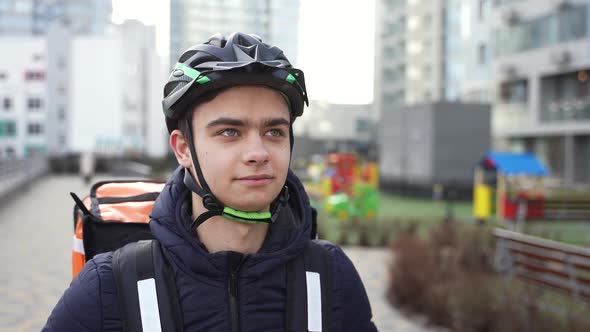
(246,217)
(190,72)
(290,78)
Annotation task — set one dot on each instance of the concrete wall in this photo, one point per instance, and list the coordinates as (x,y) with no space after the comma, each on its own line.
(462,135)
(433,143)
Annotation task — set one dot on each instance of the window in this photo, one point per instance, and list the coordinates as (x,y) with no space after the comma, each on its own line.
(7,128)
(62,139)
(61,90)
(10,128)
(427,21)
(572,24)
(7,103)
(34,75)
(61,63)
(363,125)
(9,152)
(34,103)
(514,92)
(481,54)
(481,9)
(35,129)
(562,26)
(61,113)
(35,150)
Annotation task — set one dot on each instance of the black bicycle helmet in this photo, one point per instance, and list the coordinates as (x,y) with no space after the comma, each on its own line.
(241,59)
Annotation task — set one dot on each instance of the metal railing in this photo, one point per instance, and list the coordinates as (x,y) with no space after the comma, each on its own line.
(18,173)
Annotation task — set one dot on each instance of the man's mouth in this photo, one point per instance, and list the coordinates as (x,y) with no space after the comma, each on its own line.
(256,180)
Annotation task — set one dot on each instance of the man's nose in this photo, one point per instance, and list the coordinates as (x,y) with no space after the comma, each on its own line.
(257,152)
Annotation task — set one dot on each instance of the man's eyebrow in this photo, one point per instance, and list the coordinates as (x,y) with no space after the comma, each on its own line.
(275,122)
(226,122)
(271,122)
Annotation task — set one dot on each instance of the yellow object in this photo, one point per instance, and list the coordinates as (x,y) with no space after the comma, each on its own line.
(342,215)
(370,214)
(482,207)
(373,174)
(326,187)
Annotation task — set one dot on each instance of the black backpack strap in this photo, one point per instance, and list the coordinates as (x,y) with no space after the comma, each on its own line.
(305,274)
(142,275)
(314,223)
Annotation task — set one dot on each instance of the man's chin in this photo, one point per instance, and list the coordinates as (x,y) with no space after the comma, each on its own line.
(253,206)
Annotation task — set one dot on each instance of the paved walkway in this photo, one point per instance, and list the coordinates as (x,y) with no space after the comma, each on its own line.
(37,226)
(372,265)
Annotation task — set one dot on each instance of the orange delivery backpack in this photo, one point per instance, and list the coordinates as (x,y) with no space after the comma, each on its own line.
(114,214)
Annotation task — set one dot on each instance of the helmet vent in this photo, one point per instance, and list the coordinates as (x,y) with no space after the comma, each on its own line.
(187,55)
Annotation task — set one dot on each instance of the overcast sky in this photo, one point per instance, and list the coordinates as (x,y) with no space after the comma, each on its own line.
(336,49)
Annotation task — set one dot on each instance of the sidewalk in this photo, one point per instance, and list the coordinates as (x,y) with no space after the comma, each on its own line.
(372,263)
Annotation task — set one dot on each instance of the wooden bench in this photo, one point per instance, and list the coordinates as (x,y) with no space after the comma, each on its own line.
(549,264)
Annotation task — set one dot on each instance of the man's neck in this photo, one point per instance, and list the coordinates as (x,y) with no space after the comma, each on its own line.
(221,234)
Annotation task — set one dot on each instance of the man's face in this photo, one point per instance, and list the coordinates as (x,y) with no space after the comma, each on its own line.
(242,143)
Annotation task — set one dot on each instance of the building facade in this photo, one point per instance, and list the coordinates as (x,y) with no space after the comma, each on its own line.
(34,17)
(23,97)
(194,21)
(542,70)
(327,127)
(116,106)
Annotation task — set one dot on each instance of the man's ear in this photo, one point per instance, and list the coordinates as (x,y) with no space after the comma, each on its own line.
(179,145)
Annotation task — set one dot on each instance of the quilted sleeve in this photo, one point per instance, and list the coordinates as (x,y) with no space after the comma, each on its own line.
(351,306)
(79,308)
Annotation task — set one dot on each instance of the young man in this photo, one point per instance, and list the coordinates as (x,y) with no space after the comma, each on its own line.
(232,216)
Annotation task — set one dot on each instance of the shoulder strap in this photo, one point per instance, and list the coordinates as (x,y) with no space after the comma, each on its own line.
(146,289)
(314,223)
(310,310)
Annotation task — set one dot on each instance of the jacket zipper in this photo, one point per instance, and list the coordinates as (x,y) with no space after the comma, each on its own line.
(233,289)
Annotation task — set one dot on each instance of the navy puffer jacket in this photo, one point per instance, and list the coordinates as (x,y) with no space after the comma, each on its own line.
(90,303)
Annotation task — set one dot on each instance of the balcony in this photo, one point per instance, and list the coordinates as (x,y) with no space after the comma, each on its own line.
(574,109)
(510,116)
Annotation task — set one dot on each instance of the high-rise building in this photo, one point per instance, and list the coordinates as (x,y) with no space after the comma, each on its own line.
(475,50)
(426,51)
(194,21)
(23,97)
(59,21)
(542,70)
(410,62)
(25,17)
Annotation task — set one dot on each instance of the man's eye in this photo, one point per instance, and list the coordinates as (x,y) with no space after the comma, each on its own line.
(275,133)
(229,133)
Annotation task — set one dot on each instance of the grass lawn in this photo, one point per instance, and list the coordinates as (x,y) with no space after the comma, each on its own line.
(571,232)
(396,213)
(391,206)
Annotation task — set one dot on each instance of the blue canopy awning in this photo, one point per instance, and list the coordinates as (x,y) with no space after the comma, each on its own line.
(515,163)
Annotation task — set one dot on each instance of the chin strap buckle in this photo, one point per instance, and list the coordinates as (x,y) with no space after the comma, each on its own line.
(211,203)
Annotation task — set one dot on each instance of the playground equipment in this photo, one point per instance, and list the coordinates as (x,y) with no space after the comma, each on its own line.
(510,183)
(350,189)
(349,197)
